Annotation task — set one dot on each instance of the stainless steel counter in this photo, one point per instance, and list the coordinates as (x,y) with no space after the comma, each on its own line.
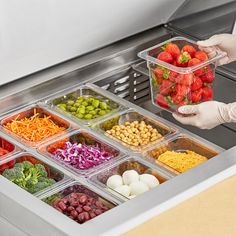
(113,68)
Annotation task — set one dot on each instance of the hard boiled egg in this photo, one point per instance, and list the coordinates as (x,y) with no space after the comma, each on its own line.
(150,180)
(130,176)
(114,181)
(138,187)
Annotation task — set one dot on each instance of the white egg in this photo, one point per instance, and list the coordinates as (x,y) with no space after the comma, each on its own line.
(114,181)
(138,187)
(123,190)
(150,180)
(130,176)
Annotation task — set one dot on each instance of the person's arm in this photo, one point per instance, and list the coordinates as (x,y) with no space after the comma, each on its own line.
(207,115)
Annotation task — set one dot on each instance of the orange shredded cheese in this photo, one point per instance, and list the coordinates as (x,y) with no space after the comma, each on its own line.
(35,128)
(181,161)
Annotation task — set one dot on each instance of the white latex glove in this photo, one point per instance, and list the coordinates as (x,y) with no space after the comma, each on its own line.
(225,42)
(207,115)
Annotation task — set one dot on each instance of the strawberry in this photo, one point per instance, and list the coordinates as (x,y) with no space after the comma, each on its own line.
(158,72)
(177,98)
(201,55)
(165,56)
(197,84)
(196,96)
(193,62)
(208,77)
(173,75)
(173,49)
(207,94)
(185,79)
(183,103)
(161,101)
(189,49)
(165,87)
(181,90)
(182,59)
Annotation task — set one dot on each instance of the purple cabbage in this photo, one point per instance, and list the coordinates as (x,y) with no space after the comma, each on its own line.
(82,156)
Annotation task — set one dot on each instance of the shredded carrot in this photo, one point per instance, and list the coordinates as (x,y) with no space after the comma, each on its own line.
(35,128)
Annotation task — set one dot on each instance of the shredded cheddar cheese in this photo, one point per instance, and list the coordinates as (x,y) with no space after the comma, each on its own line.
(181,161)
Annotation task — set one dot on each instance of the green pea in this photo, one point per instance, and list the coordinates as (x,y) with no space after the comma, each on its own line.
(95,103)
(90,108)
(77,104)
(102,112)
(91,99)
(73,109)
(93,112)
(79,115)
(85,103)
(88,116)
(68,108)
(81,111)
(107,111)
(70,102)
(103,105)
(73,113)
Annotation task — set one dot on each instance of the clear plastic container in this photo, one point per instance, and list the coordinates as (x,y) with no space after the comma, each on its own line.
(83,137)
(181,143)
(7,149)
(131,116)
(131,163)
(28,113)
(52,172)
(70,194)
(173,86)
(87,111)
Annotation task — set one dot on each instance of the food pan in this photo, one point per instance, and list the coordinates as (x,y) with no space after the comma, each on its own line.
(100,179)
(185,77)
(181,143)
(51,172)
(30,112)
(7,148)
(132,115)
(83,105)
(78,201)
(82,164)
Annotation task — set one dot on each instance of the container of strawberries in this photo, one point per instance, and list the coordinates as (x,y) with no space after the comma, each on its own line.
(180,73)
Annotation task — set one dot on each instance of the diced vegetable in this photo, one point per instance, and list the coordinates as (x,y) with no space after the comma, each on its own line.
(82,156)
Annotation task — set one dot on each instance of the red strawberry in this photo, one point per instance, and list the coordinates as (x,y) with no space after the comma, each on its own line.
(161,101)
(182,59)
(185,79)
(207,94)
(189,49)
(183,103)
(173,75)
(201,55)
(165,87)
(193,62)
(196,96)
(197,84)
(177,98)
(165,56)
(173,49)
(208,77)
(181,90)
(158,72)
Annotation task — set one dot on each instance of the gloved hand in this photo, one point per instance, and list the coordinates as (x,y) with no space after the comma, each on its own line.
(207,115)
(225,42)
